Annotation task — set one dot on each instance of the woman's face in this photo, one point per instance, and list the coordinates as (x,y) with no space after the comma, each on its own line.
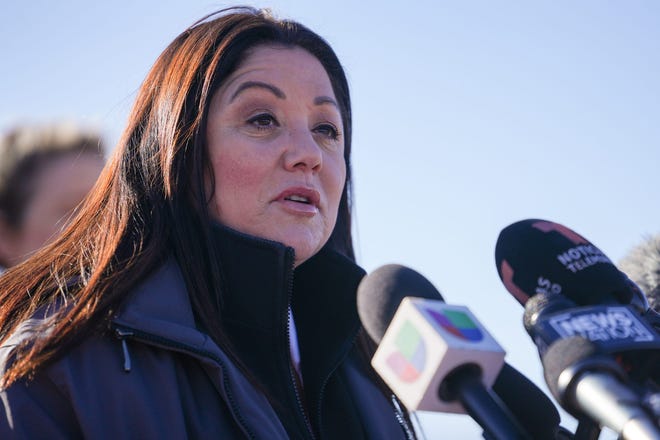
(276,145)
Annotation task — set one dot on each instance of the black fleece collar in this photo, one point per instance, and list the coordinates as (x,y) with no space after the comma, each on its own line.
(259,283)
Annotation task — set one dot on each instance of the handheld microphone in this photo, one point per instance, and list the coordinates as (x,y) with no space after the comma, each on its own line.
(577,294)
(548,260)
(432,354)
(588,383)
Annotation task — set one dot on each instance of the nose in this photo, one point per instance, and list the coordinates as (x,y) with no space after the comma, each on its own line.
(302,152)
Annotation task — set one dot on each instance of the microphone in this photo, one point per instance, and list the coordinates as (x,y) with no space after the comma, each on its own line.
(538,257)
(577,294)
(588,383)
(432,354)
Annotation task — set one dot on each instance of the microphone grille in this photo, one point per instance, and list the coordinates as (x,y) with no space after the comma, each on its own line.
(543,303)
(380,293)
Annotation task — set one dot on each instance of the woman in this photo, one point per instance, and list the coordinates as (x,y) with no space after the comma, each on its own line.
(45,172)
(207,288)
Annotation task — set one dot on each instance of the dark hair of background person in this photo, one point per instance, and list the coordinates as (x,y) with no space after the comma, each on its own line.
(151,198)
(27,152)
(642,265)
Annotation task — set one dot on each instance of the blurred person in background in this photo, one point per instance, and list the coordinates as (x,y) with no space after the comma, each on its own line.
(46,170)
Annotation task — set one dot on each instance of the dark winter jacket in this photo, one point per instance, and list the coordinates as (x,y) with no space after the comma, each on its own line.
(158,376)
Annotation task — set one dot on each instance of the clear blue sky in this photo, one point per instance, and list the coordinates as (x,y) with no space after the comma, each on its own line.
(469,115)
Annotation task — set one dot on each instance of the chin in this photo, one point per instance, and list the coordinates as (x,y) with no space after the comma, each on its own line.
(305,250)
(306,242)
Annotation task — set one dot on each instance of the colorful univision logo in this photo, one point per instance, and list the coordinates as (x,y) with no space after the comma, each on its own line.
(458,324)
(408,361)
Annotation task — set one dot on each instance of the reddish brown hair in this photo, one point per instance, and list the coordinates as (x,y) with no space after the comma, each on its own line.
(150,200)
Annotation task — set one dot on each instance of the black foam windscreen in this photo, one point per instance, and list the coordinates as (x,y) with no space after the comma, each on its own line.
(380,293)
(538,255)
(533,409)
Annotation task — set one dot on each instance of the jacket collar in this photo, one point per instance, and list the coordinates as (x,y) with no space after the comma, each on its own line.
(260,284)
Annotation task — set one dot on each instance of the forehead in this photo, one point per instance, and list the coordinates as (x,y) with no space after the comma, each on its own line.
(293,66)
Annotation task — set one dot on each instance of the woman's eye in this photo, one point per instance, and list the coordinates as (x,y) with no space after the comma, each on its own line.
(327,130)
(263,120)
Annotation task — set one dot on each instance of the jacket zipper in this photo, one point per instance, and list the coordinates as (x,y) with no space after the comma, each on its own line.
(290,258)
(123,333)
(299,402)
(398,412)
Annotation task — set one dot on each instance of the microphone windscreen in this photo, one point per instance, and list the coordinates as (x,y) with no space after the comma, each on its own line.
(531,406)
(380,293)
(536,255)
(642,264)
(563,354)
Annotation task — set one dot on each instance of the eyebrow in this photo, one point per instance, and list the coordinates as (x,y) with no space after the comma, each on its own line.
(319,100)
(262,85)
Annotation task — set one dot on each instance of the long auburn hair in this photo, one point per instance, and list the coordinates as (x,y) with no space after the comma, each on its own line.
(150,200)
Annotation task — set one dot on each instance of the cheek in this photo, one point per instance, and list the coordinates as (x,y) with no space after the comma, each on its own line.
(336,180)
(237,181)
(232,174)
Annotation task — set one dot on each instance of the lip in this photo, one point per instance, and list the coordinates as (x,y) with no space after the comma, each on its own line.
(307,209)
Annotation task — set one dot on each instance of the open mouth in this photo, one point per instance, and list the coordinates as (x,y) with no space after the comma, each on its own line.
(305,199)
(299,199)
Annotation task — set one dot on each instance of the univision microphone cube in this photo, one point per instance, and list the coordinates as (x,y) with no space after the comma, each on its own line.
(426,341)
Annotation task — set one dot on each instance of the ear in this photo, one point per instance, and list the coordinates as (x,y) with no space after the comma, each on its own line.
(7,242)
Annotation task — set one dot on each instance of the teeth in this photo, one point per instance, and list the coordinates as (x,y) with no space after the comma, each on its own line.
(298,199)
